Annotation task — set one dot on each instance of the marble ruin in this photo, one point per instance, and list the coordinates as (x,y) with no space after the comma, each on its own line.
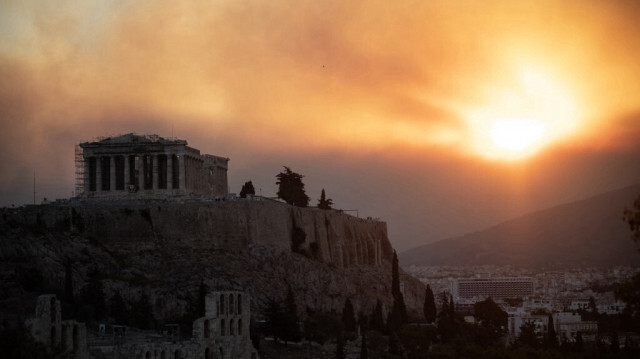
(141,166)
(67,337)
(222,333)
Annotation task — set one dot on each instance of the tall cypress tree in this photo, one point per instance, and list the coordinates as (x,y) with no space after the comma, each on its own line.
(395,276)
(399,311)
(377,321)
(429,305)
(68,283)
(551,341)
(364,353)
(291,328)
(348,316)
(324,203)
(340,354)
(93,294)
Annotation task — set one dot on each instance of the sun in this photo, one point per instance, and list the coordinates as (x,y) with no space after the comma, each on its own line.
(517,135)
(519,120)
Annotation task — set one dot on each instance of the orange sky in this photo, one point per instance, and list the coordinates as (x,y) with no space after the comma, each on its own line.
(387,106)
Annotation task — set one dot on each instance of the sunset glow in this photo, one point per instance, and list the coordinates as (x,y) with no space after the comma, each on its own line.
(521,119)
(456,89)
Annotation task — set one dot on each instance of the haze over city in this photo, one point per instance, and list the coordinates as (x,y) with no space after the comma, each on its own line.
(438,117)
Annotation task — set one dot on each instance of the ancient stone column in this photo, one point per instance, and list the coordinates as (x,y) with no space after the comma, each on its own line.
(181,172)
(140,172)
(127,173)
(169,171)
(98,174)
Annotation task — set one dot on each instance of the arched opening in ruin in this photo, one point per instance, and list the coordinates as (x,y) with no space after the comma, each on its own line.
(76,338)
(65,335)
(231,329)
(206,328)
(223,332)
(207,353)
(53,336)
(163,355)
(231,306)
(239,304)
(222,304)
(147,355)
(177,354)
(52,311)
(221,353)
(239,326)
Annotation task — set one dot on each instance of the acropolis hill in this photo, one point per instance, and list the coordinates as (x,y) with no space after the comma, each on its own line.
(165,245)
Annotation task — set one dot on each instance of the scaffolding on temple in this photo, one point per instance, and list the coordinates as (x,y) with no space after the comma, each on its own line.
(79,161)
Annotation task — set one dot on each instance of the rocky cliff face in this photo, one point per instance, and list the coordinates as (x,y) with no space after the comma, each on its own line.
(167,248)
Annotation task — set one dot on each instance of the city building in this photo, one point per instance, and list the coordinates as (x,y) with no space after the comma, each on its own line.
(568,325)
(147,166)
(505,287)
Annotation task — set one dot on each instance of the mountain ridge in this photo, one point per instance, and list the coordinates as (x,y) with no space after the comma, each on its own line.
(586,232)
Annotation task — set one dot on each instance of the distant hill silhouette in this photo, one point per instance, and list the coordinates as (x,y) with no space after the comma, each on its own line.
(585,233)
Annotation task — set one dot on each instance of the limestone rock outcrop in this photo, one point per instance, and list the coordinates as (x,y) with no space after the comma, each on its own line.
(166,248)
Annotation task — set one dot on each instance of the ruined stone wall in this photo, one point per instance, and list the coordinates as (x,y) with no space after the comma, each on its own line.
(67,337)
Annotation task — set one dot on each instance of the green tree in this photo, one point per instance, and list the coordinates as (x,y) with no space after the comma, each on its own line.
(632,217)
(340,354)
(377,320)
(247,188)
(142,313)
(629,291)
(490,315)
(398,314)
(275,319)
(118,309)
(68,283)
(324,203)
(429,305)
(93,294)
(446,318)
(348,316)
(291,328)
(291,188)
(320,328)
(17,343)
(364,353)
(528,335)
(551,339)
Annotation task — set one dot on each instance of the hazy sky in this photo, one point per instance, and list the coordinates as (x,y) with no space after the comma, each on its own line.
(439,117)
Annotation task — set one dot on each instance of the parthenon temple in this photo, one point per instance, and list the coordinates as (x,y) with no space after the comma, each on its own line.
(148,165)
